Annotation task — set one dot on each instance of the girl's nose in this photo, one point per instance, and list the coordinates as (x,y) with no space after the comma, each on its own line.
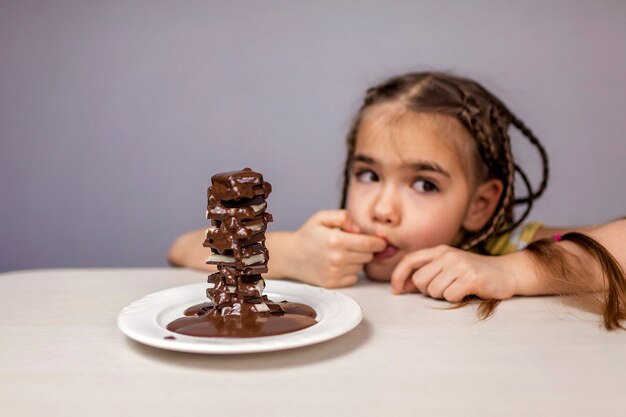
(386,208)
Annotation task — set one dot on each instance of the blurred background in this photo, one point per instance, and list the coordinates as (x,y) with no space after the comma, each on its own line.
(115,114)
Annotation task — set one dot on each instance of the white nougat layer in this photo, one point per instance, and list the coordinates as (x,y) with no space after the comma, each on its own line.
(254,259)
(258,207)
(230,259)
(261,307)
(259,286)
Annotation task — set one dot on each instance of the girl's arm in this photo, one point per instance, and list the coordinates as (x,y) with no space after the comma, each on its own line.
(576,260)
(187,251)
(325,251)
(589,265)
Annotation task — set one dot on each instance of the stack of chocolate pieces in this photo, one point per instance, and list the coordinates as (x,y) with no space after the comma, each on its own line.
(236,237)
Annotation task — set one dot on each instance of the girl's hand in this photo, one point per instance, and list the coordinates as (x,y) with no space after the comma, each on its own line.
(328,250)
(451,274)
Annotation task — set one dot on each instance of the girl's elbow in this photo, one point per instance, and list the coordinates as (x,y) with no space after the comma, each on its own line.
(173,257)
(176,253)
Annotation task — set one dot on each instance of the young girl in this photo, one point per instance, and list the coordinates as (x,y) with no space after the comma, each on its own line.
(428,199)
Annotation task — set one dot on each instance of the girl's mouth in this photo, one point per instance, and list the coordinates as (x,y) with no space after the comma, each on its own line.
(386,253)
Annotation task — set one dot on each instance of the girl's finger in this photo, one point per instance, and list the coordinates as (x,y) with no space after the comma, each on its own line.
(424,275)
(409,287)
(350,226)
(339,260)
(360,258)
(440,283)
(403,271)
(456,292)
(331,218)
(410,263)
(351,269)
(362,243)
(347,280)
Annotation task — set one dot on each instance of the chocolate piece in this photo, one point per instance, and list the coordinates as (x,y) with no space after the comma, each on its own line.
(236,207)
(237,185)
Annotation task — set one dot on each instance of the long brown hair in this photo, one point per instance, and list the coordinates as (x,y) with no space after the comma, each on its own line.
(565,274)
(568,275)
(487,120)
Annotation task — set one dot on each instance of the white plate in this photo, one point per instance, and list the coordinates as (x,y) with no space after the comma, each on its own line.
(145,320)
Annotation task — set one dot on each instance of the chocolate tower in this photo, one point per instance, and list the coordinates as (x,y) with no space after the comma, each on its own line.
(236,237)
(237,210)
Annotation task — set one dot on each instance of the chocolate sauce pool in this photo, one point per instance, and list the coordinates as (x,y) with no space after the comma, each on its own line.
(236,207)
(203,320)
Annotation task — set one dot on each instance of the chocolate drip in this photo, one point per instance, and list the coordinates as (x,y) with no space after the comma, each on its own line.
(237,307)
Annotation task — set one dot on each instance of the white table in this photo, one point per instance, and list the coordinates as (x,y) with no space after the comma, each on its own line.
(61,353)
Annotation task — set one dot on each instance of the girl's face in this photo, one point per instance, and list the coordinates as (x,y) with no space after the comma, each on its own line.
(410,182)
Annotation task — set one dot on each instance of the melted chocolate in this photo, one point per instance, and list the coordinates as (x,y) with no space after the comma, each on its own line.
(203,320)
(237,308)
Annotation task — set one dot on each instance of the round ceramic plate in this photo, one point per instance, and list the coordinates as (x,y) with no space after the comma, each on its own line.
(145,320)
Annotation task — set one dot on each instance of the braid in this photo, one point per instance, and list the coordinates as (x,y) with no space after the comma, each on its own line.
(351,145)
(531,195)
(525,130)
(542,153)
(500,117)
(529,203)
(505,213)
(488,149)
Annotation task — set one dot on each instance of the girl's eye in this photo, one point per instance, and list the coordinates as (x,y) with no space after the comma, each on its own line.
(425,186)
(366,176)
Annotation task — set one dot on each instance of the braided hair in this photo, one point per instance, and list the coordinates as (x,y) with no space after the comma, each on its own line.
(485,117)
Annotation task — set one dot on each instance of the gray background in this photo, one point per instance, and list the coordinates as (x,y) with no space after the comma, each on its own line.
(114,114)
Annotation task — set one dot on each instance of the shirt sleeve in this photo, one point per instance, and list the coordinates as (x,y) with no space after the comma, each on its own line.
(514,240)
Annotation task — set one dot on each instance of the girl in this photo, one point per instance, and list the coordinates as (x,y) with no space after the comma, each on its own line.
(428,199)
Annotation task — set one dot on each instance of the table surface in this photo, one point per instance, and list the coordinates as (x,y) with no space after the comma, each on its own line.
(61,353)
